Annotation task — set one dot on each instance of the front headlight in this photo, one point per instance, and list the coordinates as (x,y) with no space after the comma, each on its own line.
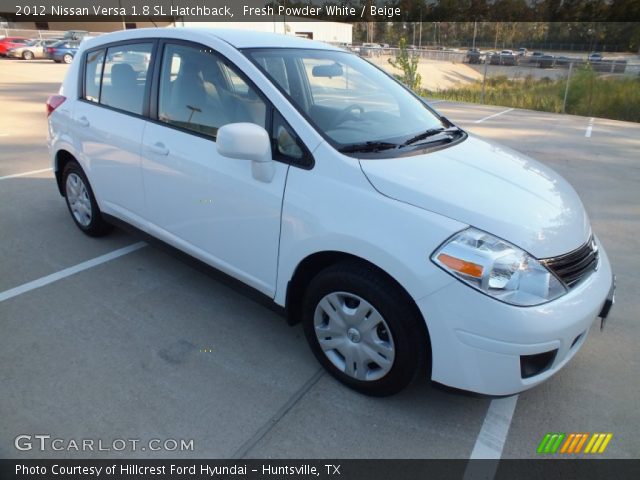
(497,268)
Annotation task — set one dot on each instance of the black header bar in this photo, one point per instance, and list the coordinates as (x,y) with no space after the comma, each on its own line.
(351,11)
(318,469)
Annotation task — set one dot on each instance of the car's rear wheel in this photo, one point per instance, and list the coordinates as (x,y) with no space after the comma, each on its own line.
(82,203)
(27,55)
(362,329)
(68,58)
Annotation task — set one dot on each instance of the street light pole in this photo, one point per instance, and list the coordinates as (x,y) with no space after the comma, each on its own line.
(475,31)
(420,39)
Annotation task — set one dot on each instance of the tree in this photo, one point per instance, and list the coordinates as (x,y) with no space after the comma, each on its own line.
(409,66)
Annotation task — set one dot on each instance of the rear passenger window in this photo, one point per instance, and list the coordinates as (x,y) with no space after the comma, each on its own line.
(198,92)
(92,75)
(125,76)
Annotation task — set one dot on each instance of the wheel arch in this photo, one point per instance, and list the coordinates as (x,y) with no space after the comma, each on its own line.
(314,263)
(62,158)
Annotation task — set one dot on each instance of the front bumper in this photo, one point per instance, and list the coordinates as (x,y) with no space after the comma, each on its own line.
(483,345)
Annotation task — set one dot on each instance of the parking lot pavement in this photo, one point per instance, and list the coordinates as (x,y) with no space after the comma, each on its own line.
(24,89)
(145,346)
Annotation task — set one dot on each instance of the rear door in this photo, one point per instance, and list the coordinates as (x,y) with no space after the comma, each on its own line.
(109,121)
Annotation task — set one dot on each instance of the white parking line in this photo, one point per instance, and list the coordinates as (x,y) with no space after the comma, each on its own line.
(67,272)
(490,441)
(436,101)
(24,174)
(589,128)
(494,430)
(494,115)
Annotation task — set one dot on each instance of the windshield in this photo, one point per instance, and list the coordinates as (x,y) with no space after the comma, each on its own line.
(350,101)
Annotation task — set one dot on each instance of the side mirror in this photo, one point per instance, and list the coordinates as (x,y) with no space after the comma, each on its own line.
(247,141)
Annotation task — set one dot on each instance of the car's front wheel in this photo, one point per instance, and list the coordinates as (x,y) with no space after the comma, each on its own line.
(362,329)
(82,203)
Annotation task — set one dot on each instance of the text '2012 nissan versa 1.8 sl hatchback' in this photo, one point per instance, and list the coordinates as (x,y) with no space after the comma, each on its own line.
(403,244)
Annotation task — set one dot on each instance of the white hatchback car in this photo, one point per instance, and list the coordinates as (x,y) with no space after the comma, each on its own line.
(401,242)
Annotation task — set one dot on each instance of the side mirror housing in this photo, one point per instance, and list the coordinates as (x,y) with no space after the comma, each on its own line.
(247,141)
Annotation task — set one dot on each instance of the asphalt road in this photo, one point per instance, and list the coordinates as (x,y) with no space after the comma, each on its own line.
(144,346)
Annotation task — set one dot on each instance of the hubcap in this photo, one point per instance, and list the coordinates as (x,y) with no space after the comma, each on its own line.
(78,199)
(354,336)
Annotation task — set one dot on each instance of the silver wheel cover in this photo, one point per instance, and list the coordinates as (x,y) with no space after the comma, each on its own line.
(78,199)
(354,336)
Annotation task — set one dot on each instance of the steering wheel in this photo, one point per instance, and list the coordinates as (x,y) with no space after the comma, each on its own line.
(347,112)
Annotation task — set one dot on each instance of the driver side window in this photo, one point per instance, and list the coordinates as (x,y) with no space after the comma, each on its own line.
(199,92)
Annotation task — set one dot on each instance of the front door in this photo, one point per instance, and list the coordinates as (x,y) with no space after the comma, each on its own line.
(199,201)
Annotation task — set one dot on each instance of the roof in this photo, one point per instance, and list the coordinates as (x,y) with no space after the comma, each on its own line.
(237,38)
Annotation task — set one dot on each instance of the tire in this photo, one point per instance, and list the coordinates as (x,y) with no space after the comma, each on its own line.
(27,55)
(68,58)
(82,203)
(372,340)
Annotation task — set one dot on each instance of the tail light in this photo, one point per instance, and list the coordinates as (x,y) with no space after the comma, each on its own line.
(53,102)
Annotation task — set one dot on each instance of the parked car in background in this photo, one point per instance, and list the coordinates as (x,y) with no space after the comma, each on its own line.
(522,52)
(534,57)
(369,49)
(63,51)
(7,43)
(484,275)
(75,34)
(475,56)
(32,49)
(546,61)
(494,58)
(508,57)
(595,57)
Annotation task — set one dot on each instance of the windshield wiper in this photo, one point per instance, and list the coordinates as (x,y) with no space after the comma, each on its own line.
(432,132)
(369,147)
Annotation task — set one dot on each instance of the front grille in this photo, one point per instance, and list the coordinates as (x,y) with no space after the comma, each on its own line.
(574,266)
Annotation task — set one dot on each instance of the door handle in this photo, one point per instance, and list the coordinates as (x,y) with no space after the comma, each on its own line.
(83,121)
(158,148)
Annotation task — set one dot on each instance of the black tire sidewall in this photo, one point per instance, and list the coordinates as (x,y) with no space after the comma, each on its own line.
(27,55)
(97,226)
(409,341)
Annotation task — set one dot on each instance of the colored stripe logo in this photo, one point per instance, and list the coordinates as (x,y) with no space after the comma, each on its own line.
(573,443)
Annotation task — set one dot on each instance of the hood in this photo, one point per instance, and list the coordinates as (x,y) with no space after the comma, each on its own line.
(492,188)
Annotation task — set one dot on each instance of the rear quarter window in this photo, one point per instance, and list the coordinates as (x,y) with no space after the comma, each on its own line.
(92,75)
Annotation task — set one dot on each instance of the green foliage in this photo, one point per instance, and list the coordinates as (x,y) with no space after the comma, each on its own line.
(590,94)
(409,66)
